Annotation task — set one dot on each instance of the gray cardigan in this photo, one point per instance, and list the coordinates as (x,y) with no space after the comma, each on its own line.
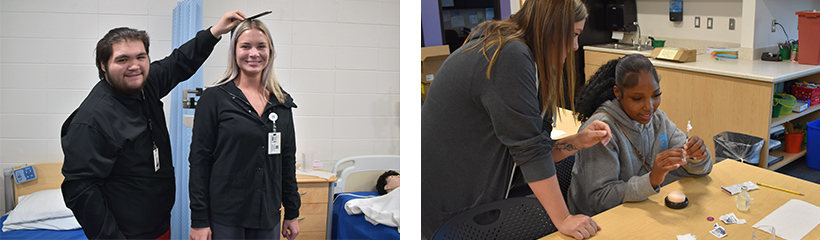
(474,129)
(606,176)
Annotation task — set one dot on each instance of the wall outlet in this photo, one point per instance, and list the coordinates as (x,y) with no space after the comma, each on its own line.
(731,24)
(709,23)
(774,22)
(697,22)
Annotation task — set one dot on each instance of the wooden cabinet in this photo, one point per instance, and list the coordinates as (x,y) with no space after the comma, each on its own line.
(717,103)
(314,211)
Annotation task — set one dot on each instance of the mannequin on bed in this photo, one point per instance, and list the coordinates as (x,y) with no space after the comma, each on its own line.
(388,181)
(382,209)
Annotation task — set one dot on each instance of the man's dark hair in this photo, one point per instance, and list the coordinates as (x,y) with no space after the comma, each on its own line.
(105,45)
(382,181)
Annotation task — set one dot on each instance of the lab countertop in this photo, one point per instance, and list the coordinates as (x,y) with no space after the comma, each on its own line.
(759,70)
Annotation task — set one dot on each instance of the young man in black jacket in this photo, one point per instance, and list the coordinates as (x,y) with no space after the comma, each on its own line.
(119,175)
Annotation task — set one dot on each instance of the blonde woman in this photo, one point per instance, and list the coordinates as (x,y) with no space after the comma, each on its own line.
(490,110)
(243,148)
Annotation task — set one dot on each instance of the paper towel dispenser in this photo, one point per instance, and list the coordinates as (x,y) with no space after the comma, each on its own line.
(621,15)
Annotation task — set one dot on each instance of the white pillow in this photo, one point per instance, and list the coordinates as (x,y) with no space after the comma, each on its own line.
(63,223)
(41,205)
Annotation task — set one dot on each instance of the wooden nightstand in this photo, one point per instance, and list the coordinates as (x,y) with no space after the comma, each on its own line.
(314,211)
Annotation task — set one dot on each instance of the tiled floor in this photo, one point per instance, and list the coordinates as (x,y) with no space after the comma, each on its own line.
(799,169)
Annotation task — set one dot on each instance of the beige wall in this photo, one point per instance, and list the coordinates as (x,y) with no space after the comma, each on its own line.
(339,59)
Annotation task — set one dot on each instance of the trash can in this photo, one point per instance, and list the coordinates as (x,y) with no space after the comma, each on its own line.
(808,28)
(813,145)
(738,146)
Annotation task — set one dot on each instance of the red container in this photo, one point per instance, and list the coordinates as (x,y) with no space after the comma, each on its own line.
(812,94)
(794,142)
(808,27)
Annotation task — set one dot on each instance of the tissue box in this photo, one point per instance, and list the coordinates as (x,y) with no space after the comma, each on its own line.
(675,54)
(800,105)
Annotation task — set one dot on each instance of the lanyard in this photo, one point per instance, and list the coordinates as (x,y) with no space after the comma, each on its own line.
(147,114)
(273,117)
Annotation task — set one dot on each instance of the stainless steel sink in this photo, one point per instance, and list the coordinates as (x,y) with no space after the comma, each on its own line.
(622,46)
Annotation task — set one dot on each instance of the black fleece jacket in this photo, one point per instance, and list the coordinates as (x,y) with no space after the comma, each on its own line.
(234,181)
(110,182)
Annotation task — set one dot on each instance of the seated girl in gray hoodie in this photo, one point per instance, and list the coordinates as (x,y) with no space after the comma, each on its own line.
(646,152)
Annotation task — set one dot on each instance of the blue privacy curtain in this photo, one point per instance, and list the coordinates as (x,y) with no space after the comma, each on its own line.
(187,20)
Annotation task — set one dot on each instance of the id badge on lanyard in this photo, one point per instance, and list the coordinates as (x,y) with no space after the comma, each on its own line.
(156,158)
(155,149)
(274,137)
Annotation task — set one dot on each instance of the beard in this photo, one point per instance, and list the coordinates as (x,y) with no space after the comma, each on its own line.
(121,85)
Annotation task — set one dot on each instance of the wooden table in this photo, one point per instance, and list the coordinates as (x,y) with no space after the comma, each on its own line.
(650,219)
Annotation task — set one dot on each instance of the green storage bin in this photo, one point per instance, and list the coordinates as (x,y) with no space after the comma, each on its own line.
(786,101)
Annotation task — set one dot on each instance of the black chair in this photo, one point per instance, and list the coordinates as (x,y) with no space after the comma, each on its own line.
(563,170)
(512,218)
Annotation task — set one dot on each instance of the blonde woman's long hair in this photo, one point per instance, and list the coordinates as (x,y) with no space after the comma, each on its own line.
(545,26)
(268,76)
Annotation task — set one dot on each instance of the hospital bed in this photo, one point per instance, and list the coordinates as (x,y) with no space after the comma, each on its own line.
(357,179)
(42,211)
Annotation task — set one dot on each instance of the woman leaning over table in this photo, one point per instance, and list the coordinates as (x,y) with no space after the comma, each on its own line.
(243,148)
(490,109)
(647,151)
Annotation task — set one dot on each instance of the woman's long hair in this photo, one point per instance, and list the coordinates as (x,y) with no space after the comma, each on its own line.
(545,26)
(622,72)
(268,76)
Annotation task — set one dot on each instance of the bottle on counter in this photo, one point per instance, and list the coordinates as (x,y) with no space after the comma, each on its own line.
(744,200)
(794,53)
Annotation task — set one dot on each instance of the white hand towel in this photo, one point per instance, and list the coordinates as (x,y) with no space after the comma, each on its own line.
(378,210)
